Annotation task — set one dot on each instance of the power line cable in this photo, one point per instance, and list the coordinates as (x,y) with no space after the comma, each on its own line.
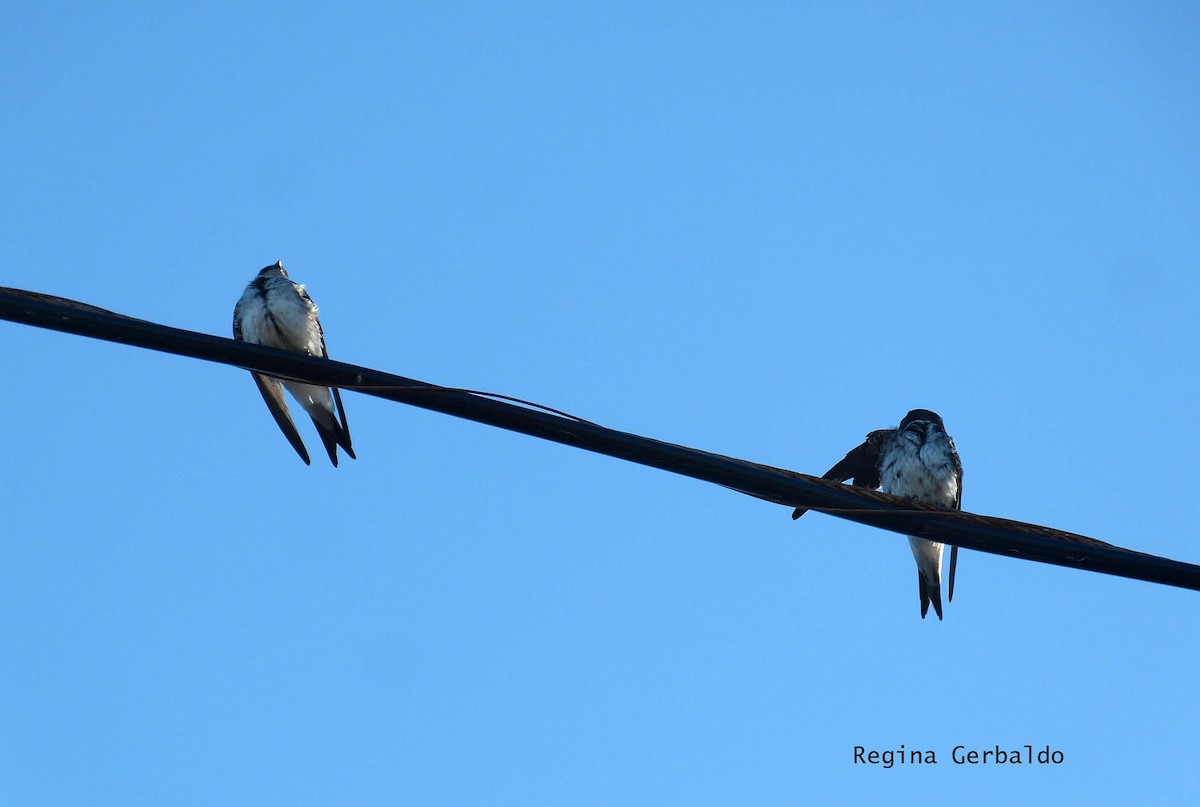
(968,530)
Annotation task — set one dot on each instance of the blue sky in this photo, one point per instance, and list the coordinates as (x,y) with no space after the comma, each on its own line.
(760,229)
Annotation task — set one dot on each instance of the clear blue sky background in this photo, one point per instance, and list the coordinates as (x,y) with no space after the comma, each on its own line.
(755,228)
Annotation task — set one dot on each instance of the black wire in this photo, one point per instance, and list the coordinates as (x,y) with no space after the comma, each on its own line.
(969,530)
(496,395)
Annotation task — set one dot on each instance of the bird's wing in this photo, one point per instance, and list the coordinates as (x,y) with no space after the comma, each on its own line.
(861,464)
(957,506)
(272,393)
(328,437)
(344,443)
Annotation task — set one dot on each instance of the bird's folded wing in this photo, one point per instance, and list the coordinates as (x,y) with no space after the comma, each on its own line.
(272,393)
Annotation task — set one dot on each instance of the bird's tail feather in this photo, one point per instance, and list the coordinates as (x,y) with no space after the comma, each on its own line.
(929,594)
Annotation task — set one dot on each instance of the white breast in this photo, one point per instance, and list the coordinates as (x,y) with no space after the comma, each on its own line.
(921,471)
(286,320)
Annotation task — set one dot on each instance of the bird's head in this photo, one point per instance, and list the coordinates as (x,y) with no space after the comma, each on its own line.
(919,420)
(274,269)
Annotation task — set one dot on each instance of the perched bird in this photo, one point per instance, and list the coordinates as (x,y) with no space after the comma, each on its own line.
(918,461)
(276,312)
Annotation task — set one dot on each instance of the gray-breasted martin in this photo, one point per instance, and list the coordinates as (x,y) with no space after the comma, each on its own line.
(276,312)
(917,461)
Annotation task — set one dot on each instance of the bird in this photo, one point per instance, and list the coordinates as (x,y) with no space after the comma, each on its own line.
(277,312)
(918,461)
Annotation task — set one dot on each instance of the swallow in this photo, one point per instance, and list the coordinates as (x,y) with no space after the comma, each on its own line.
(916,461)
(276,312)
(920,462)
